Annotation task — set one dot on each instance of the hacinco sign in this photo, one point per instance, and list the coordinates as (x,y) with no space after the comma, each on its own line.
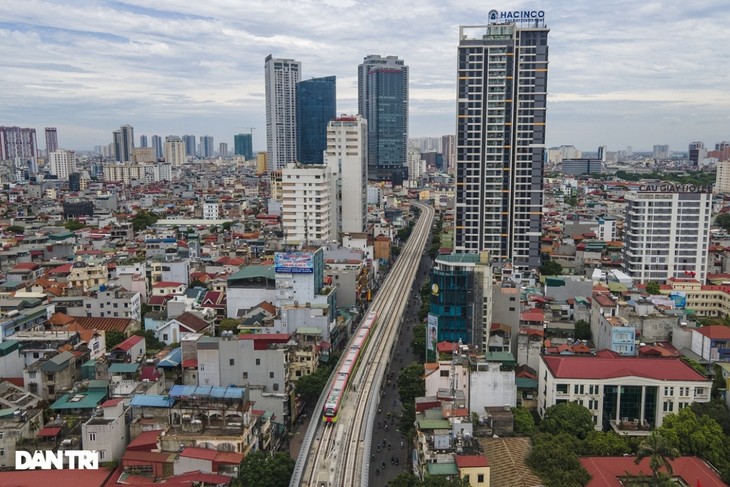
(496,16)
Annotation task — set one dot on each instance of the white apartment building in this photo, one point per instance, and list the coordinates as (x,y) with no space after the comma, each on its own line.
(174,150)
(281,77)
(125,172)
(114,302)
(107,433)
(416,165)
(606,229)
(666,232)
(626,393)
(722,178)
(347,158)
(211,210)
(308,211)
(62,162)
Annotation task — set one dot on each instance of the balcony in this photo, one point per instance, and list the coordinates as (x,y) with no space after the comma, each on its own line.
(631,427)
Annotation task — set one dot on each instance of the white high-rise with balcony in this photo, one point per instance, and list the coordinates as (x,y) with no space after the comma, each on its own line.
(174,150)
(667,232)
(282,76)
(62,162)
(347,158)
(308,210)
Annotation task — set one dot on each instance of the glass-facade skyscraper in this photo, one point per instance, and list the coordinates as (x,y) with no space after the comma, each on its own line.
(243,145)
(316,101)
(383,102)
(500,140)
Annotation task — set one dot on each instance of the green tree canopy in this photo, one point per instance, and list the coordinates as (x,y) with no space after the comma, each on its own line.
(695,435)
(143,219)
(551,268)
(411,383)
(652,287)
(151,342)
(723,221)
(418,343)
(715,409)
(660,451)
(73,225)
(524,423)
(259,469)
(310,387)
(568,417)
(15,229)
(599,443)
(583,330)
(229,324)
(113,338)
(554,459)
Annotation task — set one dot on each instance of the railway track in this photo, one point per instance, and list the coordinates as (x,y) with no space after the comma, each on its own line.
(337,454)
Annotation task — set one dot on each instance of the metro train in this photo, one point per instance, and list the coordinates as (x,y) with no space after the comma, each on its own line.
(347,368)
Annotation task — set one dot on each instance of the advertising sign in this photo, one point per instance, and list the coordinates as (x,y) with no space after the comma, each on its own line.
(294,262)
(432,332)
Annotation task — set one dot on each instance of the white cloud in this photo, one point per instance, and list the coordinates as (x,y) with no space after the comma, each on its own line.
(197,67)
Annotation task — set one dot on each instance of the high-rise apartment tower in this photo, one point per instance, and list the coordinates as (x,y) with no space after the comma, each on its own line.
(282,76)
(500,139)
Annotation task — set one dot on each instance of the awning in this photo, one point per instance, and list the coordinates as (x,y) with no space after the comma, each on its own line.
(49,432)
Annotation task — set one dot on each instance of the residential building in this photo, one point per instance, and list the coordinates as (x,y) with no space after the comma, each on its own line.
(107,433)
(21,418)
(461,297)
(190,149)
(248,287)
(712,343)
(206,147)
(722,178)
(629,394)
(123,143)
(697,153)
(383,102)
(18,143)
(474,469)
(211,210)
(282,76)
(51,140)
(666,232)
(606,229)
(610,331)
(175,329)
(309,210)
(114,302)
(49,378)
(86,276)
(243,145)
(174,150)
(223,150)
(315,107)
(501,92)
(347,158)
(157,146)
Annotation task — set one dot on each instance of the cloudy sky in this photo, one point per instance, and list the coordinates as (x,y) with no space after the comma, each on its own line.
(622,73)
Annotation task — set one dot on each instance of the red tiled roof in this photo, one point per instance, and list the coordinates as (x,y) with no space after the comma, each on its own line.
(16,381)
(605,366)
(163,284)
(48,432)
(190,363)
(534,315)
(192,322)
(605,471)
(199,453)
(62,269)
(715,332)
(469,461)
(111,402)
(158,300)
(146,441)
(106,324)
(150,373)
(26,265)
(127,344)
(445,347)
(56,478)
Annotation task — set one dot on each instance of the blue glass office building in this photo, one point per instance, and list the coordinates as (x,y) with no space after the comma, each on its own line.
(243,145)
(316,106)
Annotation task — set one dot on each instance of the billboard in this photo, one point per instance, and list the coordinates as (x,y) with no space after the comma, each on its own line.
(679,298)
(294,262)
(432,332)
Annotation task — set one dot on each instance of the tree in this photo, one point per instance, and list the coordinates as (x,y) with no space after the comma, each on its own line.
(551,268)
(659,451)
(405,479)
(604,444)
(568,417)
(310,387)
(143,219)
(73,225)
(583,330)
(15,229)
(259,469)
(723,221)
(114,338)
(418,343)
(523,420)
(411,383)
(151,342)
(715,409)
(554,459)
(229,324)
(407,418)
(652,287)
(695,435)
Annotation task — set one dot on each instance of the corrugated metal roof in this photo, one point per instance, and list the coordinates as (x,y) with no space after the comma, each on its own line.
(151,401)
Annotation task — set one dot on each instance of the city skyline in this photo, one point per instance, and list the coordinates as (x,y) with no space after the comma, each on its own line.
(620,74)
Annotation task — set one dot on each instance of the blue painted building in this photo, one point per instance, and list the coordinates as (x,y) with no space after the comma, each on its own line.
(315,107)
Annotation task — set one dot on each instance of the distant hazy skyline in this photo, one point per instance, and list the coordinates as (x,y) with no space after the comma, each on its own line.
(621,73)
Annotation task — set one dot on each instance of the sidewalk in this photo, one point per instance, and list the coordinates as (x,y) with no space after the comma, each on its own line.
(297,436)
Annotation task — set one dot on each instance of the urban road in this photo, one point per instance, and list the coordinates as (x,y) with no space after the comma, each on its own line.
(341,454)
